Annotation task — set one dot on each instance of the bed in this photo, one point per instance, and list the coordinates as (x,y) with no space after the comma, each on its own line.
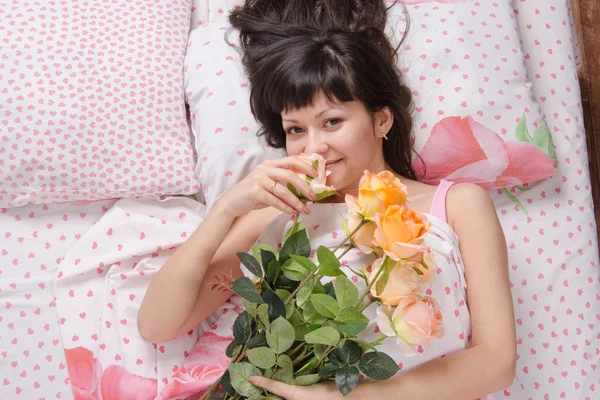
(72,274)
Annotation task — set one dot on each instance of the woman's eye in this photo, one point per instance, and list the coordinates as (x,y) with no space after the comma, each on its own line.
(333,121)
(293,130)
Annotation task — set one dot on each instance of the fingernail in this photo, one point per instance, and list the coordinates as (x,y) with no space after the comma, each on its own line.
(306,211)
(313,195)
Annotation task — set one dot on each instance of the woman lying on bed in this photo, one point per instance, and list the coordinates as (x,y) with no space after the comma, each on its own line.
(323,81)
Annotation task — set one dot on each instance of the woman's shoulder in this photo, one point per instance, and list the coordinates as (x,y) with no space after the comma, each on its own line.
(465,201)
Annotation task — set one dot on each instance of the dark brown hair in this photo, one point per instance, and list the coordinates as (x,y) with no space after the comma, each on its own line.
(294,49)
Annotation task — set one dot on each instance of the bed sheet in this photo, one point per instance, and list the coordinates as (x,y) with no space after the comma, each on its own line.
(551,232)
(33,241)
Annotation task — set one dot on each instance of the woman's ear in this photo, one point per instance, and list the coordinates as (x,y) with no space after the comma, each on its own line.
(384,119)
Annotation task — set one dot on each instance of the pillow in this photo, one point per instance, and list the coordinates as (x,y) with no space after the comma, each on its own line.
(475,119)
(92,102)
(217,92)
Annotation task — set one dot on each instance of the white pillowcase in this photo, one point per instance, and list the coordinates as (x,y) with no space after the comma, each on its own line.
(461,59)
(91,101)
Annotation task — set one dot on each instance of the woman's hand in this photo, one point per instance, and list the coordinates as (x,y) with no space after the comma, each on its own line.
(266,186)
(320,391)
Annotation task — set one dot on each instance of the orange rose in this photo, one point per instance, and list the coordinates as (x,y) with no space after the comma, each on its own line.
(377,192)
(364,237)
(415,321)
(400,233)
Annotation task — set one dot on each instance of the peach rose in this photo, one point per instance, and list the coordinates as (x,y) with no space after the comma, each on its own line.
(403,281)
(415,321)
(205,365)
(426,274)
(318,184)
(400,233)
(364,237)
(377,192)
(85,372)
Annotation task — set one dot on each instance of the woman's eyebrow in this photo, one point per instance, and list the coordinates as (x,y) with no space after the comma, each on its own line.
(329,109)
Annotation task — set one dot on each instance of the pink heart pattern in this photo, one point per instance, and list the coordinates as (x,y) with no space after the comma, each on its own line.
(91,101)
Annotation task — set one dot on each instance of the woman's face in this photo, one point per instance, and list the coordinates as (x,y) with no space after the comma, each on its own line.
(345,134)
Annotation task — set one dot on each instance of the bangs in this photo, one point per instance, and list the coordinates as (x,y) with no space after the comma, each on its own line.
(300,71)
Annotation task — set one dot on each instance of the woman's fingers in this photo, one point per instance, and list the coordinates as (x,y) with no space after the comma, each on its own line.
(279,388)
(287,197)
(286,176)
(295,163)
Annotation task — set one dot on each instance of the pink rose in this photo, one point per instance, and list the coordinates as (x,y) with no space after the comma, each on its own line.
(415,321)
(462,150)
(119,384)
(85,372)
(202,368)
(319,183)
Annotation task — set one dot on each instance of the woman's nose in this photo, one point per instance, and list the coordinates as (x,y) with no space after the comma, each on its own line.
(316,143)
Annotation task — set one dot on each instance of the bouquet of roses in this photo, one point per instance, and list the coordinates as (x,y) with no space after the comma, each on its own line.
(298,330)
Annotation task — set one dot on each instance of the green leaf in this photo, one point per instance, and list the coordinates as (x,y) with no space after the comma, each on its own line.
(346,379)
(522,133)
(251,264)
(285,375)
(301,331)
(308,366)
(249,307)
(256,249)
(329,290)
(262,357)
(307,380)
(266,257)
(226,383)
(297,244)
(346,292)
(305,262)
(232,349)
(284,361)
(325,335)
(246,289)
(378,366)
(283,294)
(319,349)
(362,343)
(352,322)
(263,314)
(329,264)
(328,370)
(311,315)
(324,194)
(240,373)
(242,331)
(259,397)
(347,354)
(272,270)
(276,306)
(305,291)
(325,305)
(257,341)
(542,138)
(294,271)
(281,335)
(283,282)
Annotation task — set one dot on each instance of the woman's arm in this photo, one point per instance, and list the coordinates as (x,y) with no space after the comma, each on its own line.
(178,298)
(489,365)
